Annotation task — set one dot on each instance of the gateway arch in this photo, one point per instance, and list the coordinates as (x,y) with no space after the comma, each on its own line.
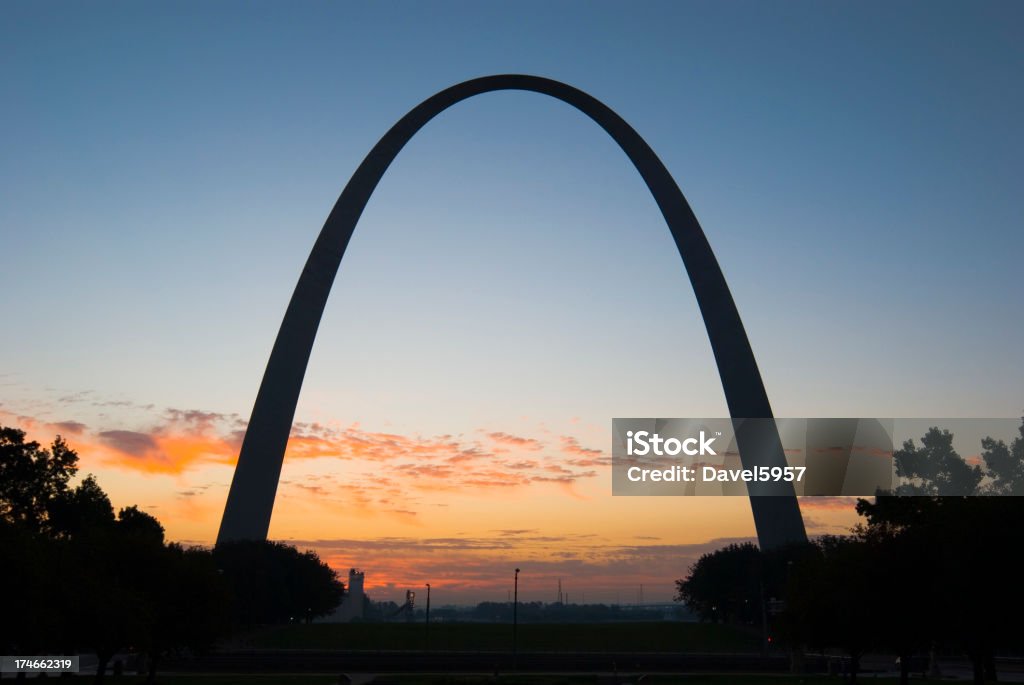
(251,497)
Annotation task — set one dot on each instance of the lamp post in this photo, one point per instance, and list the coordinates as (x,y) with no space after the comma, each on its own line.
(515,620)
(428,615)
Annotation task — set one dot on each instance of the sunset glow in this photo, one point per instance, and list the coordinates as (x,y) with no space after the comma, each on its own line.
(511,287)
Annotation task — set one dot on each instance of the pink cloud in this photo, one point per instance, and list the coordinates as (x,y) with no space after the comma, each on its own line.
(516,441)
(179,440)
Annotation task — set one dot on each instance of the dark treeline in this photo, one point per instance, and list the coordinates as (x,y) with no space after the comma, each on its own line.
(921,574)
(77,578)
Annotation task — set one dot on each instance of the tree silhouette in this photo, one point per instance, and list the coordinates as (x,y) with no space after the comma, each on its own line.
(907,566)
(136,524)
(33,573)
(936,570)
(32,477)
(935,468)
(724,585)
(1005,464)
(81,511)
(953,551)
(79,576)
(959,555)
(32,563)
(272,582)
(834,597)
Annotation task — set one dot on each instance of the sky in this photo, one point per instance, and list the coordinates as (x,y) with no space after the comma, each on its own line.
(511,286)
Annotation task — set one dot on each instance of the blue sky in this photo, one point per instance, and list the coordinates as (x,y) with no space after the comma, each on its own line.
(165,169)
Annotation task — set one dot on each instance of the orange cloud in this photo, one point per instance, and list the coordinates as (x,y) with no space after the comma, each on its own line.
(583,456)
(177,440)
(160,450)
(832,503)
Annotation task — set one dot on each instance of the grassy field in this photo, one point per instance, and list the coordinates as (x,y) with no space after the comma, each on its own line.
(586,637)
(502,680)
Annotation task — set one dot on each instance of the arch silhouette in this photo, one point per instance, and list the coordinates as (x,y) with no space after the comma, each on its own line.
(254,485)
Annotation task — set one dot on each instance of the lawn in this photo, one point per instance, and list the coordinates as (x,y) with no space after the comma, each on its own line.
(540,637)
(625,679)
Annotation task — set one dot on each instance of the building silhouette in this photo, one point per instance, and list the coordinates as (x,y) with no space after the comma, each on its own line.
(354,604)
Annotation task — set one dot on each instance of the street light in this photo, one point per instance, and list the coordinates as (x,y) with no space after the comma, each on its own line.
(428,615)
(515,620)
